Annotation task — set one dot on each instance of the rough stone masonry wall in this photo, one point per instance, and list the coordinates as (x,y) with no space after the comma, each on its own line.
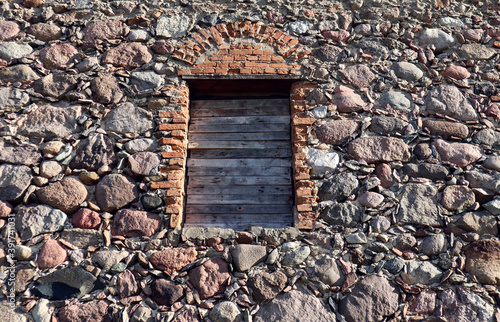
(395,130)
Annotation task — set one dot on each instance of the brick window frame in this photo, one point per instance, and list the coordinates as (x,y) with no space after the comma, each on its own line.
(241,50)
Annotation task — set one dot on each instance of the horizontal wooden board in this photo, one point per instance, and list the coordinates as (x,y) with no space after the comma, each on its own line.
(241,128)
(256,190)
(240,120)
(252,111)
(234,163)
(239,223)
(239,209)
(238,180)
(240,153)
(238,103)
(239,145)
(239,171)
(239,199)
(235,136)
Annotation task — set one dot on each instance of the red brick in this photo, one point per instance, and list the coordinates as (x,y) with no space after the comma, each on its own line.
(253,64)
(303,208)
(240,58)
(174,209)
(176,154)
(173,141)
(264,58)
(253,58)
(304,184)
(171,127)
(303,192)
(277,58)
(245,71)
(303,120)
(280,65)
(167,184)
(179,134)
(235,65)
(222,71)
(207,64)
(181,120)
(283,71)
(305,225)
(183,72)
(257,71)
(176,162)
(208,70)
(216,58)
(168,114)
(215,34)
(270,71)
(174,193)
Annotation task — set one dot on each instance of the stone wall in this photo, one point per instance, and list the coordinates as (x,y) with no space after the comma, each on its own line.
(395,144)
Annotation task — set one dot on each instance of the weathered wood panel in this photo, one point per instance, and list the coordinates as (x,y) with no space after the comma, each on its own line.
(239,145)
(239,164)
(235,136)
(241,128)
(238,180)
(240,153)
(239,120)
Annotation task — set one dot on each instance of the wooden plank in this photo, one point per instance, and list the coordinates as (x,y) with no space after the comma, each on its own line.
(261,199)
(239,103)
(239,171)
(234,136)
(240,120)
(238,180)
(239,209)
(250,111)
(239,145)
(255,190)
(238,222)
(236,163)
(240,153)
(242,128)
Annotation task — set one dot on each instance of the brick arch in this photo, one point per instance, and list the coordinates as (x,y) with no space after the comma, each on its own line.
(241,48)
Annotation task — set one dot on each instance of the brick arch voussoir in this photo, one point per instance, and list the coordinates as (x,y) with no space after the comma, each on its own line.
(212,38)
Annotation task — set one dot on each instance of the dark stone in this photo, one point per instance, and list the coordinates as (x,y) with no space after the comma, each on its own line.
(151,202)
(387,125)
(65,284)
(426,170)
(339,187)
(94,152)
(165,292)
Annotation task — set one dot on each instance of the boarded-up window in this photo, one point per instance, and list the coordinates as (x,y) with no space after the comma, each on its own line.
(239,163)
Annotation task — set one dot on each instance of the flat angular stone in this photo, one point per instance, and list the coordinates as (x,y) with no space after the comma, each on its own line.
(127,55)
(127,118)
(65,284)
(56,84)
(483,260)
(98,31)
(480,222)
(328,270)
(339,187)
(360,76)
(446,129)
(14,180)
(344,214)
(51,122)
(144,163)
(18,73)
(424,303)
(424,272)
(96,311)
(166,292)
(418,206)
(461,154)
(115,191)
(86,219)
(465,305)
(246,256)
(347,100)
(210,278)
(387,125)
(322,161)
(58,56)
(134,223)
(395,99)
(24,154)
(457,197)
(105,89)
(34,220)
(8,30)
(426,170)
(379,149)
(174,26)
(108,258)
(45,31)
(336,132)
(475,52)
(51,254)
(82,238)
(449,100)
(94,152)
(266,286)
(11,50)
(483,180)
(296,303)
(66,195)
(372,299)
(173,259)
(126,284)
